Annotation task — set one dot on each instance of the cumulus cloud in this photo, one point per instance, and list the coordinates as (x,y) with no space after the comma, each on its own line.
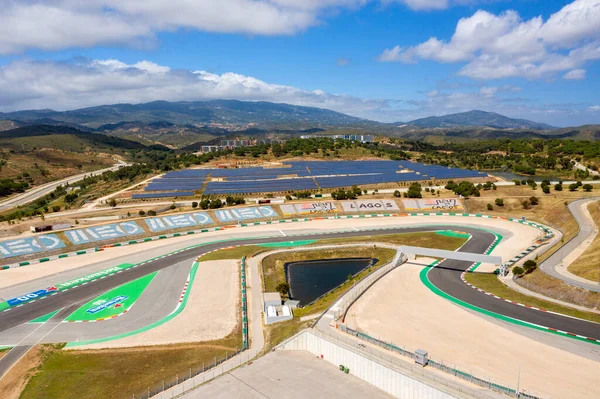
(575,74)
(82,83)
(59,24)
(505,45)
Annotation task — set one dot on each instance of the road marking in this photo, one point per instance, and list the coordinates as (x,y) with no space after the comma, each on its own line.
(355,229)
(282,233)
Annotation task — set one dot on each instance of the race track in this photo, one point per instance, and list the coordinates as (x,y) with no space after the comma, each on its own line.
(162,294)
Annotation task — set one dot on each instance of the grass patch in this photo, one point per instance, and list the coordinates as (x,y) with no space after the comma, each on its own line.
(490,283)
(120,373)
(586,265)
(232,253)
(544,284)
(424,239)
(279,332)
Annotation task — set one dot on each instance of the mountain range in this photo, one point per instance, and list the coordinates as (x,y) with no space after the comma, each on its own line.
(181,124)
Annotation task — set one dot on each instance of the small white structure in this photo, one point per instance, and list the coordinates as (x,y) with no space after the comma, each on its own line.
(274,311)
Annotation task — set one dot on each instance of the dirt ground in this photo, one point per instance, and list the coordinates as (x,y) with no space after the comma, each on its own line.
(400,309)
(13,383)
(211,312)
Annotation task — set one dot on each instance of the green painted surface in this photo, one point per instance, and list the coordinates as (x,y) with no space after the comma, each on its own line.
(449,233)
(45,318)
(425,280)
(4,306)
(126,294)
(93,276)
(287,244)
(151,326)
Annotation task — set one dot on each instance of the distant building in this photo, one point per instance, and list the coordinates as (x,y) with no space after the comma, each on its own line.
(362,138)
(233,144)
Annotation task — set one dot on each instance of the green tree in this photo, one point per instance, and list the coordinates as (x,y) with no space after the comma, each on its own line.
(534,200)
(526,204)
(194,205)
(112,202)
(397,194)
(414,191)
(499,202)
(518,271)
(529,265)
(141,212)
(151,213)
(490,207)
(573,187)
(546,189)
(587,187)
(283,289)
(558,187)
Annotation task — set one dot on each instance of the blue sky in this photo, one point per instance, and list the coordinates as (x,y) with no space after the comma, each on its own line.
(388,60)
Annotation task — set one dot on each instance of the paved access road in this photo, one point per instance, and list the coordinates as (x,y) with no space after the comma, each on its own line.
(587,229)
(445,276)
(37,192)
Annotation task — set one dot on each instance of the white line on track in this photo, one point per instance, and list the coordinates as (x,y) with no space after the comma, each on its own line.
(282,233)
(355,229)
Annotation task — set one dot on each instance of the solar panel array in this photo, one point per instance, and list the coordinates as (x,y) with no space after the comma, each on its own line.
(298,176)
(163,195)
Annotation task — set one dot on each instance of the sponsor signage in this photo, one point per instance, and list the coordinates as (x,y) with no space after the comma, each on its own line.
(370,206)
(30,245)
(237,214)
(105,232)
(178,221)
(309,208)
(106,304)
(31,296)
(433,204)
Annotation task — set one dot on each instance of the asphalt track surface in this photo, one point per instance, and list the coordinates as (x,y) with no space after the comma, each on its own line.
(445,276)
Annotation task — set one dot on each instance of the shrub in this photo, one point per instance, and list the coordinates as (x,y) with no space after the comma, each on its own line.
(587,187)
(490,207)
(283,288)
(288,197)
(112,202)
(517,182)
(529,265)
(397,194)
(558,187)
(151,213)
(55,208)
(142,213)
(172,207)
(573,187)
(499,202)
(518,271)
(194,205)
(526,204)
(546,189)
(534,200)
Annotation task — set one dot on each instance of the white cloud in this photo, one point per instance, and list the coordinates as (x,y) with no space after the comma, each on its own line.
(505,45)
(341,62)
(59,24)
(575,74)
(82,83)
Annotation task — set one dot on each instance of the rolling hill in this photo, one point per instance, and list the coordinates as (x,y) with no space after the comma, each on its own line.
(478,118)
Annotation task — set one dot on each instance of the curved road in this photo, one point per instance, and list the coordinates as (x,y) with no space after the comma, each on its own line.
(445,276)
(37,192)
(586,230)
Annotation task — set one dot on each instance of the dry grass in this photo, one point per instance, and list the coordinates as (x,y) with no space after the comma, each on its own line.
(119,373)
(544,284)
(490,283)
(587,265)
(279,332)
(13,383)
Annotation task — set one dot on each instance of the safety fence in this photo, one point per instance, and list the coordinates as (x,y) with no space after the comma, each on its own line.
(438,365)
(244,304)
(205,368)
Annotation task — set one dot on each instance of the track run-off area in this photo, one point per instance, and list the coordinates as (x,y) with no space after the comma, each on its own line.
(148,284)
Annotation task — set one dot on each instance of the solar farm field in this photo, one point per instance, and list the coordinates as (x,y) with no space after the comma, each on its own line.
(297,176)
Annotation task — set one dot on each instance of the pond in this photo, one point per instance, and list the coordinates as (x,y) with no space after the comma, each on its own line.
(510,176)
(309,280)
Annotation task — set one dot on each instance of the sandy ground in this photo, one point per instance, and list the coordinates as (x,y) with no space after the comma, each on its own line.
(522,237)
(13,383)
(400,309)
(210,313)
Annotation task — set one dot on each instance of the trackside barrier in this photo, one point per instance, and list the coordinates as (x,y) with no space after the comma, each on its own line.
(548,232)
(244,304)
(437,365)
